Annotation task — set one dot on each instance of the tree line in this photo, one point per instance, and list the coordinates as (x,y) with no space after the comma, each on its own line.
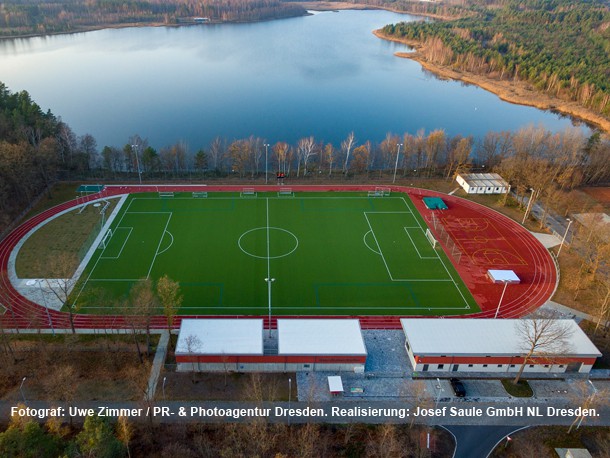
(22,17)
(558,46)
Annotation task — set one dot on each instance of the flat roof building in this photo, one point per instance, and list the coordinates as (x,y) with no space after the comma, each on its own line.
(488,345)
(242,345)
(482,183)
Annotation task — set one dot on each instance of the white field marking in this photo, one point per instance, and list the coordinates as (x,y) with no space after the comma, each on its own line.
(446,269)
(265,257)
(124,242)
(115,279)
(269,260)
(367,245)
(317,307)
(415,246)
(159,246)
(386,264)
(380,250)
(170,245)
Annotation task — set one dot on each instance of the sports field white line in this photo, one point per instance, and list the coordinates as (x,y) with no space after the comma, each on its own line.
(170,245)
(415,246)
(124,243)
(380,250)
(159,246)
(446,269)
(284,307)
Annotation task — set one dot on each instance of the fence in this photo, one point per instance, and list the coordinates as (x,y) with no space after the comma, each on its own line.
(451,247)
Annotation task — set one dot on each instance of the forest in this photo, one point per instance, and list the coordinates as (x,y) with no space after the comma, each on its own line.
(23,17)
(560,47)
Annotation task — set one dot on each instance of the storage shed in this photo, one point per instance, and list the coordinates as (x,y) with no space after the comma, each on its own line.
(487,345)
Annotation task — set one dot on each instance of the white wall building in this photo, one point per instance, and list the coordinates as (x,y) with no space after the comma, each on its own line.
(487,345)
(482,183)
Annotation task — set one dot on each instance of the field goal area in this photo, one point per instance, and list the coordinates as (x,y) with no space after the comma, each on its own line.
(328,254)
(380,192)
(104,243)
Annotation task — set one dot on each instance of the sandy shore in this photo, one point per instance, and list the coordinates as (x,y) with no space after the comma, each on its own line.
(510,91)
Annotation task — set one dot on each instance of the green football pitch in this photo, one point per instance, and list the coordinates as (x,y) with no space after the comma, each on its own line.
(325,253)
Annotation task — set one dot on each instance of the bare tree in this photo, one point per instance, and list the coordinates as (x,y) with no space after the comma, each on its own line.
(63,266)
(145,305)
(587,396)
(193,346)
(330,155)
(346,146)
(168,291)
(542,337)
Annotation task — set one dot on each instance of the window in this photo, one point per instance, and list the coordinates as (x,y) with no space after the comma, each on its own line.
(531,365)
(512,365)
(546,365)
(470,365)
(306,366)
(407,345)
(484,365)
(561,365)
(440,366)
(499,365)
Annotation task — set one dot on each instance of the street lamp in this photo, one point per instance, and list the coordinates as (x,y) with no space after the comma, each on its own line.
(396,165)
(501,297)
(564,236)
(269,281)
(135,147)
(529,205)
(440,389)
(266,162)
(163,387)
(289,392)
(21,389)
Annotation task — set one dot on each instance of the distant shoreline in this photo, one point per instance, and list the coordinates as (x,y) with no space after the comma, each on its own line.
(516,92)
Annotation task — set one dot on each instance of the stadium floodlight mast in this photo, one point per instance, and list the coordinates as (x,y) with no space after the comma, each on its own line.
(21,389)
(440,390)
(501,297)
(135,147)
(269,281)
(564,235)
(266,162)
(396,165)
(529,205)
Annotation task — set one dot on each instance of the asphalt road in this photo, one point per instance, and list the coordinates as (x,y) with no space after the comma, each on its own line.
(478,441)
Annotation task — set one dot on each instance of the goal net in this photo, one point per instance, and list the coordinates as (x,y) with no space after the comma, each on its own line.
(163,194)
(431,238)
(200,194)
(285,192)
(380,192)
(248,192)
(105,240)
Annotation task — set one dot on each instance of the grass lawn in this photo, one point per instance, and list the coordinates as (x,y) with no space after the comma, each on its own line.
(326,253)
(520,390)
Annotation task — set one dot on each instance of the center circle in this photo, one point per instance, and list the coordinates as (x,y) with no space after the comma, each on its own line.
(268,243)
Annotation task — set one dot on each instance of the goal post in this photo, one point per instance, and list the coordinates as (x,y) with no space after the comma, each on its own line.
(431,238)
(248,192)
(200,194)
(380,192)
(105,240)
(285,192)
(166,194)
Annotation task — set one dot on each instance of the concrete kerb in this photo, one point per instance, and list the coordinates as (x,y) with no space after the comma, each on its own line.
(158,362)
(33,289)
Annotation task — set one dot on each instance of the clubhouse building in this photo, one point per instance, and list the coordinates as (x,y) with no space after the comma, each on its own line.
(488,345)
(242,345)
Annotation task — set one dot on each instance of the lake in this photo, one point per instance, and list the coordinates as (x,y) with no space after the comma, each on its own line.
(323,75)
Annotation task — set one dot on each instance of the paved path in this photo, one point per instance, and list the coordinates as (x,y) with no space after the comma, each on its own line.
(157,365)
(478,441)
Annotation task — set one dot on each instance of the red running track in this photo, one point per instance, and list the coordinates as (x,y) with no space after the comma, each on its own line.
(532,262)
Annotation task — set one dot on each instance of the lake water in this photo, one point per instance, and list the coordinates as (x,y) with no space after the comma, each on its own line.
(322,75)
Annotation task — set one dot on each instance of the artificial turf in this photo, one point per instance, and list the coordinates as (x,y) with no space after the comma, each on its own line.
(326,253)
